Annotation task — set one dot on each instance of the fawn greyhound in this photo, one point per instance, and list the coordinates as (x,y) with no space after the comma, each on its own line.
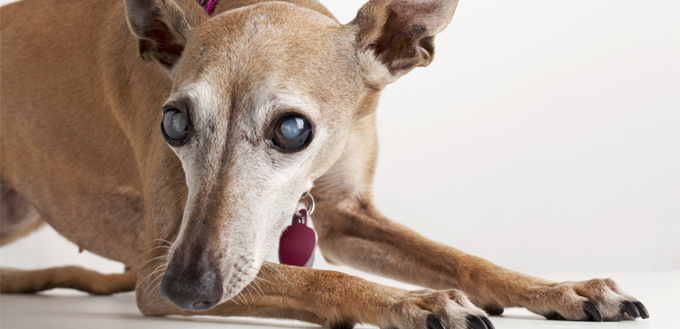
(258,103)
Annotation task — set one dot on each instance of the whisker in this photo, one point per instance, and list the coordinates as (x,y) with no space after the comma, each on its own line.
(257,287)
(233,300)
(152,282)
(150,260)
(160,240)
(146,277)
(159,268)
(152,249)
(254,288)
(265,280)
(156,287)
(272,267)
(243,300)
(252,296)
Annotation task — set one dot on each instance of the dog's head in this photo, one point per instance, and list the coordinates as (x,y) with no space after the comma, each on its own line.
(262,101)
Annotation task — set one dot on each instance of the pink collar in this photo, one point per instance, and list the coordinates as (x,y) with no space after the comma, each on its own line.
(208,5)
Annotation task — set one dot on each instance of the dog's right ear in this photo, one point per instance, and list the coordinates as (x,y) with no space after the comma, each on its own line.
(162,27)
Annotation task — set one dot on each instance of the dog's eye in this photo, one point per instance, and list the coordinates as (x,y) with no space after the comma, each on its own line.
(292,132)
(175,126)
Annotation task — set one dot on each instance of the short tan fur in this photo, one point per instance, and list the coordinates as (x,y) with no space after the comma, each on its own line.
(83,89)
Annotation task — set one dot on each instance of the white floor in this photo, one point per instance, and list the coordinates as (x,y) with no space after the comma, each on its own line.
(57,309)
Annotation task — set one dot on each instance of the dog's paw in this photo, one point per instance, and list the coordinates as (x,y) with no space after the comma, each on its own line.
(432,309)
(592,300)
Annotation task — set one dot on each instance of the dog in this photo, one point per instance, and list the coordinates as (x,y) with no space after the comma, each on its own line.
(259,102)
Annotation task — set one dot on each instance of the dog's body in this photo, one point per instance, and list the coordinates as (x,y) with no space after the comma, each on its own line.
(81,150)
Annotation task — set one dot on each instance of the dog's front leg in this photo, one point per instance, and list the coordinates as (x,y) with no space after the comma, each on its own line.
(353,232)
(335,300)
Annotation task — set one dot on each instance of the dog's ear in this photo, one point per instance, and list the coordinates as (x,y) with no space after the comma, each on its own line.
(162,27)
(400,33)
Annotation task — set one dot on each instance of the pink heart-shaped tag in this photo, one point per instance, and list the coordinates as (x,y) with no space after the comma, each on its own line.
(297,243)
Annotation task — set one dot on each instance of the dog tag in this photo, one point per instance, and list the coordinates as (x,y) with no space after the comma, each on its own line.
(298,241)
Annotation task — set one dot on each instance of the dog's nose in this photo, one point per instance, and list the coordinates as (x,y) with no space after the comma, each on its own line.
(192,290)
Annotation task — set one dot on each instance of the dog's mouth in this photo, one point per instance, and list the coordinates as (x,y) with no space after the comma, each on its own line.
(242,275)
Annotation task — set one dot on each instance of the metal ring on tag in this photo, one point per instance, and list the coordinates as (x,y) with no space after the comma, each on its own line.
(310,208)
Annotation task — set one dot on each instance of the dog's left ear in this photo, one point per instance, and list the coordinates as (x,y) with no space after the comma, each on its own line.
(162,27)
(400,33)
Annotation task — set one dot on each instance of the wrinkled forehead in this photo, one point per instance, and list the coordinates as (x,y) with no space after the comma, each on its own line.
(274,50)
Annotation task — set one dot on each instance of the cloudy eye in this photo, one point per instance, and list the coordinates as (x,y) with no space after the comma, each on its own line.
(292,132)
(175,126)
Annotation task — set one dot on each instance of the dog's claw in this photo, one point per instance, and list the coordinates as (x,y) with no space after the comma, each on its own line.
(433,322)
(630,309)
(594,313)
(475,322)
(488,323)
(492,310)
(642,310)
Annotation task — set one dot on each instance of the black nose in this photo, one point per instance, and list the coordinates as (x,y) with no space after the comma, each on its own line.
(192,290)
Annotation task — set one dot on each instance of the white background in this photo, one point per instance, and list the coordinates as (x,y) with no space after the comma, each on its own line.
(545,136)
